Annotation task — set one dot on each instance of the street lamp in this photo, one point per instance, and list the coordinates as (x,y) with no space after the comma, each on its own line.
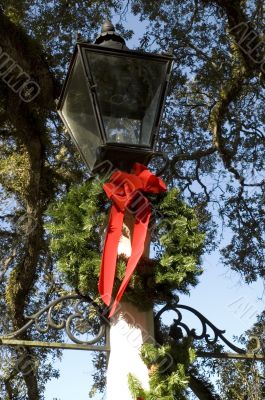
(112,103)
(113,99)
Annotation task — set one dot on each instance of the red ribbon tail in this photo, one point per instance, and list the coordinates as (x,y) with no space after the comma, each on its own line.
(138,242)
(108,262)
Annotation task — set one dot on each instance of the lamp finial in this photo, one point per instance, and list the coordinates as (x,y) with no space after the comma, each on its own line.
(107,26)
(109,38)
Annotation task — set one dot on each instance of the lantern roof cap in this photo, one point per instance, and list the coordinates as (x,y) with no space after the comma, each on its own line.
(109,37)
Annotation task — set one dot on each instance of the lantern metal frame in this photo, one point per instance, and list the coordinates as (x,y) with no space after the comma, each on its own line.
(127,154)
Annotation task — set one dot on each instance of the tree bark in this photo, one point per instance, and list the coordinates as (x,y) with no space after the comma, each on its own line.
(201,390)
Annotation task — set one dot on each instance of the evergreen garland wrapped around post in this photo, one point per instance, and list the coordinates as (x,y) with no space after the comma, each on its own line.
(76,229)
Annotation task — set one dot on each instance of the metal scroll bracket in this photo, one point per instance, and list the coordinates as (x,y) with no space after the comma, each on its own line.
(79,317)
(179,326)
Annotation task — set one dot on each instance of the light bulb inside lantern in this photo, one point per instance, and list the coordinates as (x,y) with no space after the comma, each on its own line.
(122,130)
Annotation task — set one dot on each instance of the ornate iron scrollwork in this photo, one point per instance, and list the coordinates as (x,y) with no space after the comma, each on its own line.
(205,324)
(79,316)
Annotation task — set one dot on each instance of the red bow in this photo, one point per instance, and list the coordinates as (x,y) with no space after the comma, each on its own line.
(126,192)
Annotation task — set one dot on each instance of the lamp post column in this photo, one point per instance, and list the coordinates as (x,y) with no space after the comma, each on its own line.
(129,329)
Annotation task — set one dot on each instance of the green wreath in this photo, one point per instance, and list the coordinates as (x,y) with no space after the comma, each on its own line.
(76,229)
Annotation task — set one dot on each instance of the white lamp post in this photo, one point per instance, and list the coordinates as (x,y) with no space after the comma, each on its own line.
(111,103)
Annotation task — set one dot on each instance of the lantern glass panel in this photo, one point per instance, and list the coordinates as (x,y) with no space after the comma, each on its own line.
(129,92)
(78,113)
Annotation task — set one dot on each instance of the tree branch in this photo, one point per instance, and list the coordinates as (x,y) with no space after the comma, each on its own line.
(27,53)
(201,389)
(246,40)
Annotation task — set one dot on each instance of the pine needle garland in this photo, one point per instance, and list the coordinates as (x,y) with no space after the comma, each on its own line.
(76,229)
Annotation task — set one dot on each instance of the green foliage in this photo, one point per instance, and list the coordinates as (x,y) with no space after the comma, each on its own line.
(167,369)
(240,380)
(76,230)
(244,379)
(14,170)
(181,240)
(99,377)
(233,378)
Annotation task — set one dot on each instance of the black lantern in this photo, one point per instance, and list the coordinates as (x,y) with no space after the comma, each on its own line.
(113,99)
